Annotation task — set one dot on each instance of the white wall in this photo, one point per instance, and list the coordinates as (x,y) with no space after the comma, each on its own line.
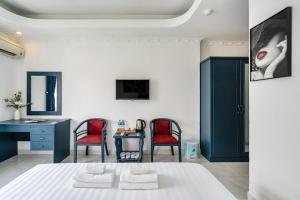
(224,48)
(274,119)
(91,65)
(8,72)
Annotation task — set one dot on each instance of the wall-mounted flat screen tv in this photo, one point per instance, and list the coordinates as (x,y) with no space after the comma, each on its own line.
(132,89)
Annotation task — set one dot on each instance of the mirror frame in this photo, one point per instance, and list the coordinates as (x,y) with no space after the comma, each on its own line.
(59,93)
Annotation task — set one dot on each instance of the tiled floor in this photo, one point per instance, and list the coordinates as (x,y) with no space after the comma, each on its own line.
(233,175)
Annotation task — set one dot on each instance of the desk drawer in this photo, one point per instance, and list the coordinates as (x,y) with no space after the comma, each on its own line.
(39,146)
(41,137)
(41,130)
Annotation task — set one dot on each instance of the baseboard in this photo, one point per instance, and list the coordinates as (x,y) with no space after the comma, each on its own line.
(98,152)
(25,151)
(250,196)
(225,159)
(228,159)
(146,152)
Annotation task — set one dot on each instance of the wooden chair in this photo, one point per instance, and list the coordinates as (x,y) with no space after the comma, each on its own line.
(94,135)
(162,134)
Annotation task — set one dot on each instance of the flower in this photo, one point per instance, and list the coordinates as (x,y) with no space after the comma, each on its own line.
(19,103)
(16,102)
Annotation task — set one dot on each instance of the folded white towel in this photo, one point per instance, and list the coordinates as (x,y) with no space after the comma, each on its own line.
(151,177)
(107,177)
(95,168)
(77,184)
(138,186)
(139,169)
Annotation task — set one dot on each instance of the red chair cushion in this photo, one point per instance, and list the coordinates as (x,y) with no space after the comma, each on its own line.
(94,127)
(164,139)
(161,127)
(90,139)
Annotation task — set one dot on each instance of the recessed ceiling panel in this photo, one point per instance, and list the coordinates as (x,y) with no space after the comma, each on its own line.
(94,8)
(223,24)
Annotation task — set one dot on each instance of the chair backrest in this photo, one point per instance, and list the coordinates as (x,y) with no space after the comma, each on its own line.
(162,127)
(95,126)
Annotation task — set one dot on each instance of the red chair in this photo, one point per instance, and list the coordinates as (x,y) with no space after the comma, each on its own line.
(162,134)
(93,135)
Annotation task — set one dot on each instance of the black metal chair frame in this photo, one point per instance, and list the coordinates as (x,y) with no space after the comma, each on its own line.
(173,132)
(83,132)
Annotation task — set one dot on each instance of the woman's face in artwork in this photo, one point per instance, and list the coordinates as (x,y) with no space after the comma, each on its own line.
(267,54)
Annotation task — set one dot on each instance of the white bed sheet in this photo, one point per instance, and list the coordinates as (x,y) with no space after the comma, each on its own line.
(177,181)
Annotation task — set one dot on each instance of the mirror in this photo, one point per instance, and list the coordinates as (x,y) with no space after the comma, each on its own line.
(44,91)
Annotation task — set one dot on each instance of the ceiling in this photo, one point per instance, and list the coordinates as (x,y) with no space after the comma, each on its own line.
(168,18)
(95,8)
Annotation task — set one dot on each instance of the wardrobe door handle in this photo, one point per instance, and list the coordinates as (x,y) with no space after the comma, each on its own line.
(238,109)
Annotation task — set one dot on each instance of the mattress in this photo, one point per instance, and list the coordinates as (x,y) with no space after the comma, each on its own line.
(177,181)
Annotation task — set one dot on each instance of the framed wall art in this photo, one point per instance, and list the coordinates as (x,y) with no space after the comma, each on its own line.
(270,47)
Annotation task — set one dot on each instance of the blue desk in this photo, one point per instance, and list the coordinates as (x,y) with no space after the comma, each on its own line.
(51,135)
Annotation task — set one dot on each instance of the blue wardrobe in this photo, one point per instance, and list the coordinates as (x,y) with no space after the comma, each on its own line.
(222,109)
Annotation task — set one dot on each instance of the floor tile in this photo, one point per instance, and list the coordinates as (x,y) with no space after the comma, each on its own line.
(238,186)
(6,179)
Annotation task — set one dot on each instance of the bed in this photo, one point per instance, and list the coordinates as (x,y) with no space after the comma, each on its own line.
(177,181)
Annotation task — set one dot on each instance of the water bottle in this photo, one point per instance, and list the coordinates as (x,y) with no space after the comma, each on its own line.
(120,123)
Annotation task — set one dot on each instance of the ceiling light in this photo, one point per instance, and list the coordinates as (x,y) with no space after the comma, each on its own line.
(19,33)
(208,11)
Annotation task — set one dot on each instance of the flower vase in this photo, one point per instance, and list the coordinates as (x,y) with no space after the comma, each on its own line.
(17,115)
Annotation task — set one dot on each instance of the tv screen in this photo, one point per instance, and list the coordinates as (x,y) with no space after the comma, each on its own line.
(132,89)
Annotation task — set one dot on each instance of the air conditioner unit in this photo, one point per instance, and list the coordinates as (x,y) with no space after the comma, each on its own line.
(11,49)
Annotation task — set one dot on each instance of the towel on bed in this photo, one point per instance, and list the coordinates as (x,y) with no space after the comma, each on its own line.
(138,186)
(95,168)
(107,177)
(128,177)
(147,181)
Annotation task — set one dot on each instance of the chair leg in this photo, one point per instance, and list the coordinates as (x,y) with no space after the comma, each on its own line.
(106,148)
(75,153)
(179,152)
(102,152)
(172,150)
(152,151)
(87,150)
